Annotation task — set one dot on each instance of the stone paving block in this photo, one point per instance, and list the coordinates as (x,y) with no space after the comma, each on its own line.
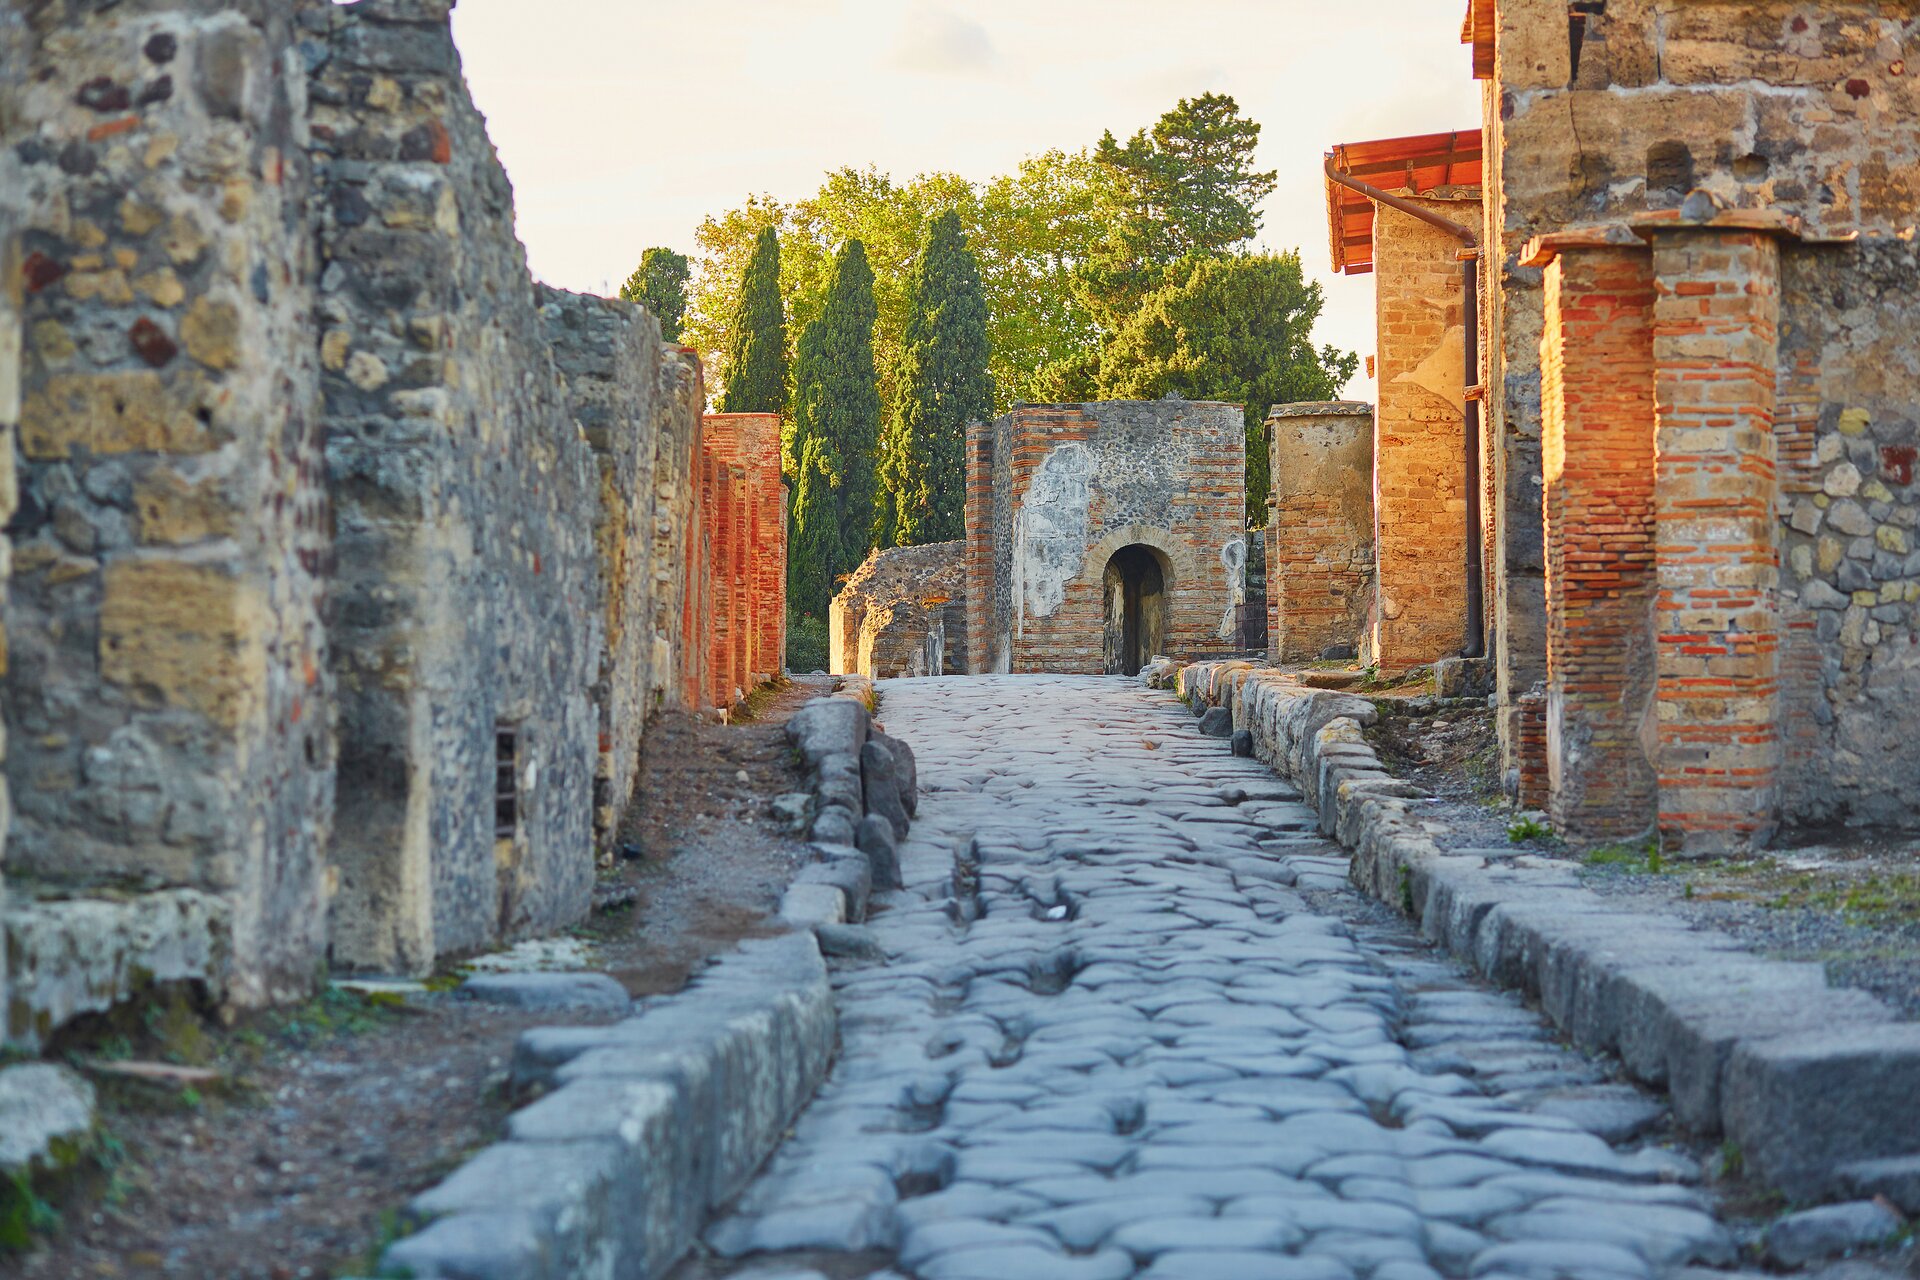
(1814,1235)
(587,992)
(1801,1106)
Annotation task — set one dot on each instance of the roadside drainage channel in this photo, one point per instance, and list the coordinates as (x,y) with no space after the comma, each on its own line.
(1814,1084)
(650,1124)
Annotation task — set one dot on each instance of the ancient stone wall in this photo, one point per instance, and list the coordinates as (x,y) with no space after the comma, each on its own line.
(274,347)
(167,688)
(1628,108)
(1319,579)
(468,636)
(1071,488)
(608,350)
(1848,435)
(1418,469)
(903,612)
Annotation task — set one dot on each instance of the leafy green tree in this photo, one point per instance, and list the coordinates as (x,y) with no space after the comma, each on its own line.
(1236,329)
(756,368)
(1186,188)
(836,432)
(944,384)
(660,285)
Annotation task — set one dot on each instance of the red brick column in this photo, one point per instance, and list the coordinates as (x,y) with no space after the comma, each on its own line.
(980,637)
(1597,428)
(744,626)
(752,441)
(1716,358)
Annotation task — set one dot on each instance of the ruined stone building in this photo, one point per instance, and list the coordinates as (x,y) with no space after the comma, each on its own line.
(1695,472)
(348,563)
(1102,535)
(903,612)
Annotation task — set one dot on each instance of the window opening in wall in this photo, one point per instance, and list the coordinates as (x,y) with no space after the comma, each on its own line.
(506,781)
(1579,12)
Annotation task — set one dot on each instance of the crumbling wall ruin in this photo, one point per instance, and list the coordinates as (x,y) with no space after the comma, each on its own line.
(347,564)
(1320,569)
(903,612)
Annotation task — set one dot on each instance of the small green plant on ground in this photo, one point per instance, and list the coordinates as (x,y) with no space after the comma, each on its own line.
(1645,857)
(1406,890)
(1527,827)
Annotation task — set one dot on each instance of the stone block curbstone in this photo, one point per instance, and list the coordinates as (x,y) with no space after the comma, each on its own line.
(880,787)
(593,992)
(874,838)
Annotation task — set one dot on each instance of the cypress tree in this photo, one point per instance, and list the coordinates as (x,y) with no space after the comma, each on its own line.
(757,350)
(944,385)
(660,285)
(836,433)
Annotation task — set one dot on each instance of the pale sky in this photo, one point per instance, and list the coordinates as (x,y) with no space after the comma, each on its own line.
(624,122)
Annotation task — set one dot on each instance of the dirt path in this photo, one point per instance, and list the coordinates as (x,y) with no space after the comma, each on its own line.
(340,1110)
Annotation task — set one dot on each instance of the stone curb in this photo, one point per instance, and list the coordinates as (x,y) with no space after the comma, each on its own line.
(650,1124)
(1814,1084)
(864,787)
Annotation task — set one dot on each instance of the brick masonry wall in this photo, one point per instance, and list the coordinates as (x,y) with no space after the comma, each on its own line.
(1597,461)
(752,442)
(166,688)
(608,351)
(1074,484)
(1715,349)
(1320,528)
(1420,506)
(10,298)
(1801,109)
(469,617)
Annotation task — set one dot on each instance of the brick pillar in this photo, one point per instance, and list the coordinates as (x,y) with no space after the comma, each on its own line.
(1716,355)
(1596,392)
(979,562)
(1320,528)
(739,500)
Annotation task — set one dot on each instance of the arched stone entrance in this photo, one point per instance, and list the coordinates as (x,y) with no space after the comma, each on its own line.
(1134,586)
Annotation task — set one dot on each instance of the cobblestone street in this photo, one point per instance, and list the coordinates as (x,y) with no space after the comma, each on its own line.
(1134,1023)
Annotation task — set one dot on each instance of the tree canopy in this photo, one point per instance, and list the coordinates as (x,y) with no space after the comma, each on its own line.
(835,435)
(757,352)
(944,384)
(659,284)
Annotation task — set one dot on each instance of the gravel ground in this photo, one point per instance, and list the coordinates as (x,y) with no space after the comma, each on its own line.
(1847,898)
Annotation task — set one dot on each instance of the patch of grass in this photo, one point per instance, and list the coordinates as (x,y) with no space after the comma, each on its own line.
(1406,890)
(1526,827)
(1645,857)
(333,1012)
(1889,898)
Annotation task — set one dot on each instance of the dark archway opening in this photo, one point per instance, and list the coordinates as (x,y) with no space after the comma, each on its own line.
(1135,588)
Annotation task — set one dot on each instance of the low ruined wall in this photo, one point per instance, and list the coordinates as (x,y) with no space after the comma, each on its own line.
(608,351)
(1319,571)
(167,692)
(903,612)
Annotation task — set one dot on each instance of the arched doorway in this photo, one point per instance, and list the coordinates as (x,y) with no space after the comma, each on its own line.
(1135,588)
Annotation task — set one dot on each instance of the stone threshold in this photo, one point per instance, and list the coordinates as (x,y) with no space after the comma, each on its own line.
(1812,1084)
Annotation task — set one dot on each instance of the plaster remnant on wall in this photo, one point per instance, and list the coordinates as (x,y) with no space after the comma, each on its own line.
(1050,533)
(1440,372)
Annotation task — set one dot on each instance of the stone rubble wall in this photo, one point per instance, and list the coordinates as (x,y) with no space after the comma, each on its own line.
(468,629)
(902,606)
(1319,544)
(168,695)
(348,562)
(608,351)
(1813,1083)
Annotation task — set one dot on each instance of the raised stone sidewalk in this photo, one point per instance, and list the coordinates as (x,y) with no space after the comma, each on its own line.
(1814,1084)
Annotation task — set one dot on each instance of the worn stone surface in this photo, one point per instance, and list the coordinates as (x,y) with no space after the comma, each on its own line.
(646,1125)
(1803,1077)
(1057,494)
(1129,1026)
(1814,1235)
(46,1118)
(595,992)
